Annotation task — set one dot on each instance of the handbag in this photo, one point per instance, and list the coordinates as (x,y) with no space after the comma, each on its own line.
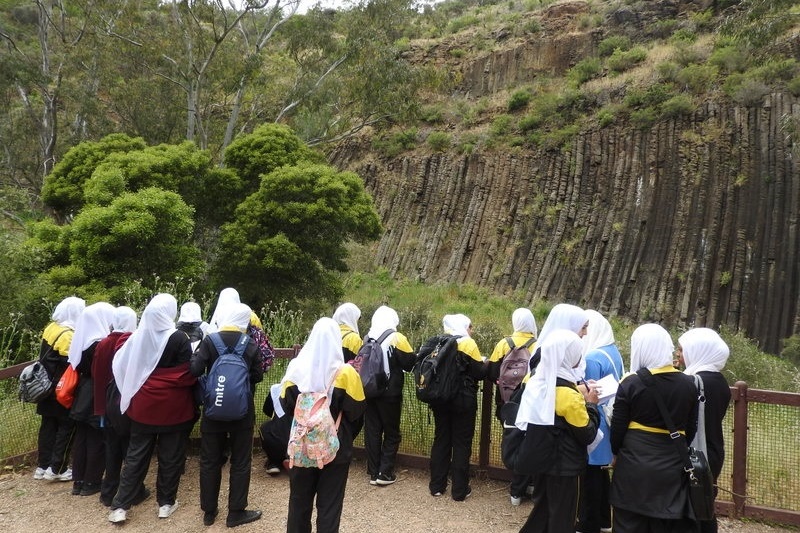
(701,482)
(65,390)
(34,383)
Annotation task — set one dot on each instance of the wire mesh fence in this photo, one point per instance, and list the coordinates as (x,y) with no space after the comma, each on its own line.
(760,477)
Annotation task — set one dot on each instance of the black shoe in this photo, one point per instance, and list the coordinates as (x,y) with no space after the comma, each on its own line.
(89,489)
(77,487)
(209,518)
(273,469)
(467,495)
(106,501)
(385,479)
(142,496)
(237,518)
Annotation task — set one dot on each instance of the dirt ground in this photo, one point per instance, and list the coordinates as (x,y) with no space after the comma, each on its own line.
(31,506)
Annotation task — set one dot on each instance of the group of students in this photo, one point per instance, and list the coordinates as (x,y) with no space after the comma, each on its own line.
(157,364)
(649,488)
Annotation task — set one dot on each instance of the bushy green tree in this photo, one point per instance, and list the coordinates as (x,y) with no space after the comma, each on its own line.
(138,236)
(287,239)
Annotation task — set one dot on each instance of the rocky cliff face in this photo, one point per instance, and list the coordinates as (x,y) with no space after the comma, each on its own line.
(693,222)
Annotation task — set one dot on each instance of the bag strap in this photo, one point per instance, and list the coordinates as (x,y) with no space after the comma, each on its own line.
(238,349)
(610,360)
(511,344)
(679,439)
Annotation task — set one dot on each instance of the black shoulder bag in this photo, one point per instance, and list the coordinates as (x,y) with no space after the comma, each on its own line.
(701,482)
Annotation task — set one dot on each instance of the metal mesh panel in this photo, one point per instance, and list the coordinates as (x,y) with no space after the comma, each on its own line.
(773,456)
(20,423)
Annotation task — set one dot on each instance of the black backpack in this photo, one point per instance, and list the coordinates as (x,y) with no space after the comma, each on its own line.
(438,371)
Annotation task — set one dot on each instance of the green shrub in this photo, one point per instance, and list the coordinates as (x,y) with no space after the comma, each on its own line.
(432,114)
(750,92)
(519,99)
(698,78)
(729,59)
(532,26)
(501,125)
(605,117)
(686,54)
(776,69)
(683,35)
(644,119)
(650,96)
(614,42)
(459,23)
(668,71)
(620,60)
(439,141)
(543,108)
(678,105)
(585,70)
(396,143)
(793,86)
(457,52)
(791,349)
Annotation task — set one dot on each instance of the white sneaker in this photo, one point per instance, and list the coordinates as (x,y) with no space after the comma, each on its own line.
(165,511)
(39,473)
(117,515)
(516,501)
(49,475)
(605,530)
(66,475)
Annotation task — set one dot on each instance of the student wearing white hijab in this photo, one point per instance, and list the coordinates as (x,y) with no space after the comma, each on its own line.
(649,487)
(320,367)
(382,418)
(227,297)
(217,435)
(455,420)
(561,316)
(602,359)
(88,450)
(347,315)
(704,354)
(152,373)
(115,438)
(551,398)
(190,321)
(524,324)
(57,428)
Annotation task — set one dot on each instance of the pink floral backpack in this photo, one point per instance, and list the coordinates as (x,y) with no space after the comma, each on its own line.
(313,439)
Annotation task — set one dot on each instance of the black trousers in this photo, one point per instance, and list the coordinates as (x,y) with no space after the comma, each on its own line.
(88,454)
(519,485)
(630,522)
(594,511)
(555,505)
(452,446)
(382,434)
(327,485)
(171,461)
(275,438)
(116,447)
(213,446)
(56,434)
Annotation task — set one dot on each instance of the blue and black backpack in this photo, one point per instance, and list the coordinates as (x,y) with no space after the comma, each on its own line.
(226,391)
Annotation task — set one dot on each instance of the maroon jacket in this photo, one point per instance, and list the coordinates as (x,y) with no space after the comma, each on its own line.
(166,398)
(101,367)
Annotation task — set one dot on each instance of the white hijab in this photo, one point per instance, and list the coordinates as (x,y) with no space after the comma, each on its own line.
(124,319)
(319,359)
(560,353)
(456,325)
(139,356)
(599,332)
(93,324)
(523,321)
(651,347)
(348,314)
(562,316)
(384,318)
(68,310)
(227,297)
(703,351)
(190,313)
(237,316)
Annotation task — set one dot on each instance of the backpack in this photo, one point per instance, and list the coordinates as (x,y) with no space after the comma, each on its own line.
(265,349)
(116,419)
(226,391)
(34,383)
(314,436)
(438,372)
(513,368)
(65,389)
(368,362)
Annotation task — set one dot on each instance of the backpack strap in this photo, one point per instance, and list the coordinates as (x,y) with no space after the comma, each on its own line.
(529,342)
(384,336)
(222,348)
(511,344)
(613,366)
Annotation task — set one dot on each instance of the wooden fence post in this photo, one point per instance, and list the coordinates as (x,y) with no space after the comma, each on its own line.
(740,429)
